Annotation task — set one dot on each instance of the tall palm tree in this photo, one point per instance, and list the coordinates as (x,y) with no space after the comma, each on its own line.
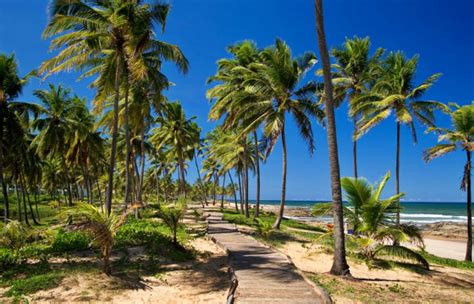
(275,81)
(231,92)
(10,87)
(179,134)
(354,69)
(55,126)
(396,93)
(460,137)
(104,38)
(227,150)
(339,266)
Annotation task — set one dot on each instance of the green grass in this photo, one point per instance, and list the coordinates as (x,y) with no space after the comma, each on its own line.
(240,219)
(35,283)
(433,259)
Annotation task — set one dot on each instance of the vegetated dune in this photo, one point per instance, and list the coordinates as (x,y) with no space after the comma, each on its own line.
(202,281)
(440,284)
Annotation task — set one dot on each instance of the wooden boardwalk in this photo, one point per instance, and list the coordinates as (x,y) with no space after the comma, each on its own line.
(263,275)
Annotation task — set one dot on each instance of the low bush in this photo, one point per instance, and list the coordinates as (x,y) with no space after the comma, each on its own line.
(35,283)
(264,228)
(138,233)
(67,241)
(8,258)
(35,251)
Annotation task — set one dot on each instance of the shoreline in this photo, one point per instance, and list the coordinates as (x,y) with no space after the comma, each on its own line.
(444,239)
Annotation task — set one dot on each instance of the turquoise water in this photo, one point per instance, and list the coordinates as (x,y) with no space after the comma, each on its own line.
(418,212)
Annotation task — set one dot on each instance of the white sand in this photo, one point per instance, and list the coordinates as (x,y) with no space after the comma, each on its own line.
(453,249)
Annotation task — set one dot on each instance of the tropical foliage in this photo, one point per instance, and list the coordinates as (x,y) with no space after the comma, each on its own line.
(373,220)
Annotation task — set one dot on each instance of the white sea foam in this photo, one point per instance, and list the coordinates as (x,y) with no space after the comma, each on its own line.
(439,216)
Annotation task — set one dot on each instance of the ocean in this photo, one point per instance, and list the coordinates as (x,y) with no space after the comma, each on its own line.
(417,212)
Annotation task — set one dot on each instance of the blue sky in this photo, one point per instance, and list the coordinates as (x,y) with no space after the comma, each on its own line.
(440,31)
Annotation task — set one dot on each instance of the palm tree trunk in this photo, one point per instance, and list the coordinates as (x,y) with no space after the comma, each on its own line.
(142,163)
(113,149)
(241,196)
(182,181)
(203,188)
(18,202)
(223,193)
(2,180)
(339,266)
(469,208)
(257,169)
(277,223)
(127,149)
(354,148)
(245,181)
(397,172)
(99,193)
(214,190)
(26,194)
(25,212)
(233,188)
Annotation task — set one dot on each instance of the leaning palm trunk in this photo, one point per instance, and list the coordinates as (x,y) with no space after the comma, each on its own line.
(110,182)
(277,223)
(257,169)
(223,192)
(233,188)
(203,188)
(339,266)
(467,175)
(241,196)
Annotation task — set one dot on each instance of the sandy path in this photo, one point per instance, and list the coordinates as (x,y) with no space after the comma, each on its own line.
(453,249)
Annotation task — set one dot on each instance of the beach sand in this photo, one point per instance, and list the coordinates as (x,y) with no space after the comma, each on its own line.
(446,248)
(444,239)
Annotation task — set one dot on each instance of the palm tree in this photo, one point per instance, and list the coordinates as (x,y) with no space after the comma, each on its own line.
(105,37)
(373,220)
(354,69)
(171,216)
(339,266)
(227,150)
(231,92)
(85,146)
(275,81)
(179,134)
(101,226)
(10,87)
(460,137)
(55,126)
(396,93)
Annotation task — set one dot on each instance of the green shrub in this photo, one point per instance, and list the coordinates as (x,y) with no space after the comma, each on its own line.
(138,233)
(264,228)
(172,215)
(13,235)
(67,241)
(34,284)
(8,258)
(35,251)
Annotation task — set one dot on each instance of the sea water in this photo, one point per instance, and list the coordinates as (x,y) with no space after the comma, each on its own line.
(417,212)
